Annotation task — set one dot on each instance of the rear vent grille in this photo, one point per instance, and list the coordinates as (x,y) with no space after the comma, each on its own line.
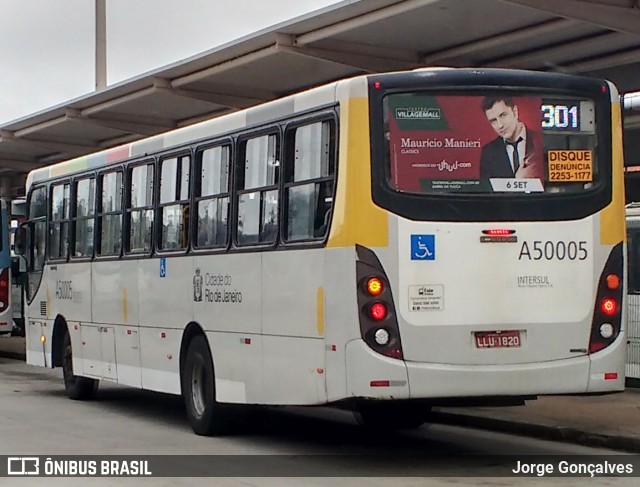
(43,308)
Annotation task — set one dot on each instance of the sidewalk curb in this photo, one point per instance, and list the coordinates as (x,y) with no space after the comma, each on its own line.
(554,433)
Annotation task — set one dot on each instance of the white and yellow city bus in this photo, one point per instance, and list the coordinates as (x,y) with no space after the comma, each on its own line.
(373,243)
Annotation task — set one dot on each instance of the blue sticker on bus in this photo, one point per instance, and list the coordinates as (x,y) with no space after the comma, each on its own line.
(423,247)
(163,267)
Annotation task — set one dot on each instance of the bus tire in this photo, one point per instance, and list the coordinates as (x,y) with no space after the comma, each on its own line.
(77,388)
(198,389)
(389,416)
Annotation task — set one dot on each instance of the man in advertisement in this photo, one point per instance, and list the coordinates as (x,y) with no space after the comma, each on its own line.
(517,151)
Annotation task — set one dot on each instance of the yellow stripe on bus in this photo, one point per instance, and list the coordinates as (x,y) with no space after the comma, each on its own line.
(355,218)
(612,223)
(320,311)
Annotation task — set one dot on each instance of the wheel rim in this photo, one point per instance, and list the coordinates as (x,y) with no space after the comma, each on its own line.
(197,388)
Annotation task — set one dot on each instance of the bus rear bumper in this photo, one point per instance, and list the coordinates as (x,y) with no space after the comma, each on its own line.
(370,375)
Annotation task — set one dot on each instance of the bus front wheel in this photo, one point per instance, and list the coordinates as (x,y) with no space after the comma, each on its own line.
(198,389)
(76,387)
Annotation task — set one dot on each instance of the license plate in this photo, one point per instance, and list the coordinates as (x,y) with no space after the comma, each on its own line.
(497,339)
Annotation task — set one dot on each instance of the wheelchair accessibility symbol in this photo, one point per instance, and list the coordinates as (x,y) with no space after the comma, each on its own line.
(423,247)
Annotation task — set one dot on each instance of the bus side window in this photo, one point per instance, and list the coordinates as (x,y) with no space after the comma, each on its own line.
(174,202)
(259,171)
(140,211)
(310,172)
(212,196)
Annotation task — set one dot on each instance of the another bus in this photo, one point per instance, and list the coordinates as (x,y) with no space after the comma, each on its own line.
(18,269)
(633,314)
(373,243)
(6,310)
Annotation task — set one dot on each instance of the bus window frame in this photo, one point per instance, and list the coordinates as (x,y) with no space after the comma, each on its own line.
(288,143)
(126,210)
(177,154)
(74,216)
(68,220)
(100,213)
(196,194)
(276,129)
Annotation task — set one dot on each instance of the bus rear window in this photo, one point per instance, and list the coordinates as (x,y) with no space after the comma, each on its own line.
(490,143)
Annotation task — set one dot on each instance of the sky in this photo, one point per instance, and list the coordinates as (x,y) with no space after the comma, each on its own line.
(47,46)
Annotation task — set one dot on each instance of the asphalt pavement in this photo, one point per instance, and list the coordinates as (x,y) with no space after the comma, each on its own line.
(608,421)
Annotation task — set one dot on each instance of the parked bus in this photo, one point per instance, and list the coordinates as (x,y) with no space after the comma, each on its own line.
(6,311)
(633,315)
(18,268)
(373,243)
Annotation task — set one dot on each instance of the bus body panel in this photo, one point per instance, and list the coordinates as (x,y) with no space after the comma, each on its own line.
(127,347)
(165,298)
(607,367)
(297,278)
(237,360)
(66,289)
(341,317)
(293,371)
(413,380)
(520,285)
(37,351)
(370,375)
(115,292)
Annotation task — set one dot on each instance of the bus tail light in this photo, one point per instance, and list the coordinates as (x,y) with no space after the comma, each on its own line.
(607,314)
(377,311)
(5,289)
(374,286)
(378,321)
(609,306)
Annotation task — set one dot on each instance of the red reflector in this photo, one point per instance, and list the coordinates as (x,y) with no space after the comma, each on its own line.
(247,341)
(128,332)
(163,335)
(378,311)
(393,353)
(379,383)
(497,232)
(610,376)
(595,347)
(334,348)
(377,85)
(613,281)
(609,306)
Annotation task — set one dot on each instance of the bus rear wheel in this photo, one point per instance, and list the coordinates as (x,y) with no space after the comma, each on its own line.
(387,416)
(76,387)
(198,388)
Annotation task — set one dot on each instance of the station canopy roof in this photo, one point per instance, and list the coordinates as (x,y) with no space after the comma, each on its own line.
(592,37)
